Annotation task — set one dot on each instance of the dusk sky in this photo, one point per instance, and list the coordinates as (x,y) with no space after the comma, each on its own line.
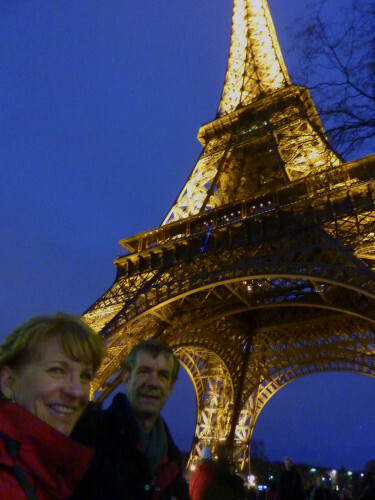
(101,102)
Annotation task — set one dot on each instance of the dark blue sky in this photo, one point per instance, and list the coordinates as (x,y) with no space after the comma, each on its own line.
(101,103)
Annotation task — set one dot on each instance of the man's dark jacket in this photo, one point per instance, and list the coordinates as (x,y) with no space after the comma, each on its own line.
(290,486)
(119,470)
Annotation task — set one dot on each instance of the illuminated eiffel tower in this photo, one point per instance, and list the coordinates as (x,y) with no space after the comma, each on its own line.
(262,271)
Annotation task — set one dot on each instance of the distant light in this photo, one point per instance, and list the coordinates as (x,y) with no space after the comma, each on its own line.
(251,480)
(312,470)
(271,477)
(192,467)
(349,473)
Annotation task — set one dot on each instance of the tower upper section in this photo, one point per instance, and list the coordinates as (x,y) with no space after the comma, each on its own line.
(255,65)
(267,132)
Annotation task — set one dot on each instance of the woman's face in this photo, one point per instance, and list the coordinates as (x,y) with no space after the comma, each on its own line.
(51,386)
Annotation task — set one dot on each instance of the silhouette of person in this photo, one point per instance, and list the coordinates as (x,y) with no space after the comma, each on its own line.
(319,491)
(202,475)
(290,484)
(225,484)
(366,490)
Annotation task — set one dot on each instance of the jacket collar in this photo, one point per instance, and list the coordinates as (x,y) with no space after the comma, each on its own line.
(124,416)
(56,461)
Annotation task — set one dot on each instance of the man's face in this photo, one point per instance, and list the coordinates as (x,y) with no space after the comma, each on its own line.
(149,384)
(288,464)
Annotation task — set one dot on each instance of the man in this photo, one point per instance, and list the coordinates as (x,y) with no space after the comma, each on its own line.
(366,490)
(225,484)
(290,484)
(135,456)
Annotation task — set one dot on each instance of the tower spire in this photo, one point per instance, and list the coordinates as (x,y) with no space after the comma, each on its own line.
(255,65)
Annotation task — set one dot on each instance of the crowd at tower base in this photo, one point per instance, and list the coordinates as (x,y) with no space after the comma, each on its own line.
(286,481)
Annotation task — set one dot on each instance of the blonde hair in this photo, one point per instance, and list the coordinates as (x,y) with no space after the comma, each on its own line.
(78,340)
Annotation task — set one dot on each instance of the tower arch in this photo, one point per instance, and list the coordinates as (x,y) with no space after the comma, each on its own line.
(268,388)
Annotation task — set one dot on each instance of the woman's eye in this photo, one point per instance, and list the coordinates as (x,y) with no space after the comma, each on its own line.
(56,370)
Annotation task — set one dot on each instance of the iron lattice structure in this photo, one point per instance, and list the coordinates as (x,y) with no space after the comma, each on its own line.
(263,270)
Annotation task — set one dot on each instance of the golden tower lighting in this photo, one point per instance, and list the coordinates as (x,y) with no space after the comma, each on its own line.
(262,271)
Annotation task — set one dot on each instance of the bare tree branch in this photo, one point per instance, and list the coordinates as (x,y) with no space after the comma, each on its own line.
(337,55)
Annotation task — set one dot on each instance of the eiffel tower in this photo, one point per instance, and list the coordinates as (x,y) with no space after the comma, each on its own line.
(263,270)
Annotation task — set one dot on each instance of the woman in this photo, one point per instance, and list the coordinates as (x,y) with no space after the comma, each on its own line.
(319,491)
(202,475)
(46,366)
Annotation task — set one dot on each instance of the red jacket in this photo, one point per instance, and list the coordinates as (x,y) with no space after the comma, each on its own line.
(200,478)
(51,462)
